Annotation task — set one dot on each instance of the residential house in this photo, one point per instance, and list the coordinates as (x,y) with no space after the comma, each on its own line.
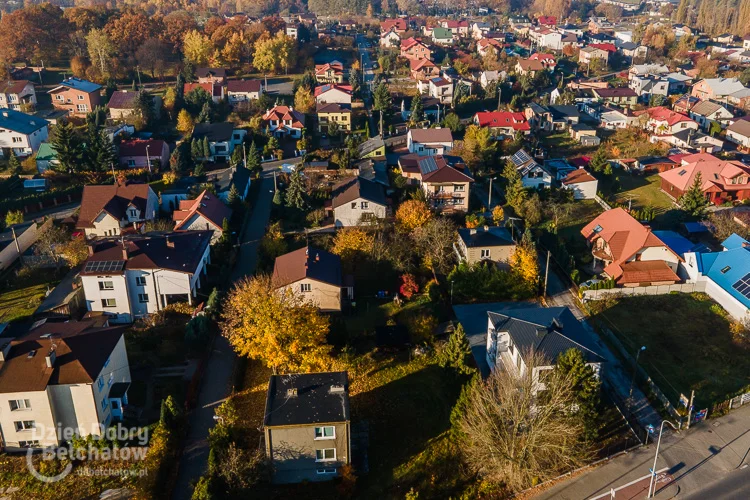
(583,184)
(707,113)
(205,213)
(623,96)
(15,94)
(647,86)
(217,76)
(632,50)
(62,379)
(485,244)
(307,426)
(600,25)
(739,133)
(334,117)
(444,179)
(357,201)
(243,90)
(316,275)
(328,94)
(373,147)
(143,153)
(479,29)
(398,25)
(21,133)
(16,239)
(727,38)
(284,120)
(423,69)
(458,28)
(533,175)
(390,40)
(215,90)
(489,45)
(685,103)
(721,180)
(589,53)
(442,36)
(122,104)
(222,139)
(726,274)
(630,253)
(571,29)
(488,77)
(137,276)
(332,72)
(664,121)
(46,157)
(112,210)
(546,38)
(546,21)
(647,69)
(223,180)
(739,99)
(528,67)
(441,89)
(746,42)
(513,333)
(502,124)
(584,134)
(692,140)
(429,141)
(414,49)
(548,60)
(519,24)
(76,96)
(549,118)
(716,88)
(169,199)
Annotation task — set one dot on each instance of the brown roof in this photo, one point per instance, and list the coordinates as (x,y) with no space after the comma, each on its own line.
(214,89)
(243,86)
(122,99)
(80,348)
(530,65)
(616,92)
(181,252)
(137,147)
(357,187)
(333,107)
(436,169)
(425,135)
(307,262)
(577,176)
(13,86)
(206,204)
(647,271)
(213,72)
(113,199)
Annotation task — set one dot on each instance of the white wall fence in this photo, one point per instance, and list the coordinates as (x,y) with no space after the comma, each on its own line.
(645,290)
(603,203)
(740,400)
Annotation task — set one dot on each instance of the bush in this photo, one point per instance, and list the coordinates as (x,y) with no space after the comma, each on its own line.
(408,286)
(197,333)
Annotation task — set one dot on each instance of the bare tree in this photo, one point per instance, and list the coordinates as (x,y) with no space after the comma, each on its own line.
(518,435)
(435,242)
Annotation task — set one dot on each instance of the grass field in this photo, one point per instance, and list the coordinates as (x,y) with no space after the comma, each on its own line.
(689,345)
(20,296)
(642,191)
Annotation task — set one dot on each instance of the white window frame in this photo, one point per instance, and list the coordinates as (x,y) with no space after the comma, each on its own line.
(82,108)
(140,281)
(322,436)
(305,287)
(485,253)
(143,298)
(109,303)
(459,188)
(21,404)
(80,97)
(106,285)
(21,425)
(323,454)
(28,444)
(365,205)
(322,472)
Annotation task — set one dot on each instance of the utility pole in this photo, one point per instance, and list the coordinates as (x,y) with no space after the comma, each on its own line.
(499,95)
(244,156)
(148,158)
(138,70)
(274,182)
(690,409)
(114,177)
(489,200)
(546,274)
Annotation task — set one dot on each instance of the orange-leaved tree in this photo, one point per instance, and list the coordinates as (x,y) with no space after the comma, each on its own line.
(278,327)
(413,214)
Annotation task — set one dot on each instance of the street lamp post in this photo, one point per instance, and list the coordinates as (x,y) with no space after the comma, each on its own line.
(651,484)
(635,369)
(489,200)
(451,293)
(148,158)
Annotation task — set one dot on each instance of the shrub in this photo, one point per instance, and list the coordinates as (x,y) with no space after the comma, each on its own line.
(408,286)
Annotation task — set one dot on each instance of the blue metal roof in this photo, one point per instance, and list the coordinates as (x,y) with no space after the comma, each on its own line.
(20,122)
(676,242)
(727,268)
(82,85)
(734,241)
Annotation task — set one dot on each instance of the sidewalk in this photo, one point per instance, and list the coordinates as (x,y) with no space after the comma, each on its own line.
(695,458)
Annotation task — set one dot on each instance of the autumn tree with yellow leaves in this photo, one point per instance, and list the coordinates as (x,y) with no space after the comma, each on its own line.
(525,262)
(277,327)
(413,214)
(351,242)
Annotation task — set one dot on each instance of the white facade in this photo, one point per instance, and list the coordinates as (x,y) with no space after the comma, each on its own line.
(23,144)
(237,97)
(106,225)
(733,306)
(738,138)
(84,408)
(536,178)
(428,148)
(390,40)
(583,190)
(354,212)
(134,293)
(16,100)
(334,95)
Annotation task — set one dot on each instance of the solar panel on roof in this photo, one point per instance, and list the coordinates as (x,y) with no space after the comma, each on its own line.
(520,158)
(427,165)
(742,285)
(104,266)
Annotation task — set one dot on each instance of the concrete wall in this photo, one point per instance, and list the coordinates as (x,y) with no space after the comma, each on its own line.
(583,190)
(10,253)
(345,215)
(646,290)
(292,452)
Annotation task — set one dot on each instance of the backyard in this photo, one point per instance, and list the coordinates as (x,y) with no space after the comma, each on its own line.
(689,342)
(641,191)
(21,295)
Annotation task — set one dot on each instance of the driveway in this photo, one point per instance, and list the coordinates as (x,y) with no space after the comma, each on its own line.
(216,383)
(279,86)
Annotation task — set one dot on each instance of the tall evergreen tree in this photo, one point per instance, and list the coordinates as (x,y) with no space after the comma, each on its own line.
(68,147)
(14,166)
(295,193)
(599,161)
(417,110)
(236,158)
(694,202)
(100,152)
(515,193)
(586,386)
(196,148)
(206,147)
(253,158)
(233,197)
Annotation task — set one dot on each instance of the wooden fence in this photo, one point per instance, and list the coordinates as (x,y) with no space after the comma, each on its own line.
(645,290)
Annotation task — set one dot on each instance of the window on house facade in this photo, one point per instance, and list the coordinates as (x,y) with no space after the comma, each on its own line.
(19,404)
(305,287)
(131,163)
(510,345)
(109,303)
(458,201)
(325,455)
(458,187)
(28,444)
(82,108)
(484,253)
(140,280)
(354,205)
(106,285)
(325,432)
(326,471)
(25,425)
(133,212)
(104,404)
(143,298)
(16,140)
(100,382)
(365,205)
(80,97)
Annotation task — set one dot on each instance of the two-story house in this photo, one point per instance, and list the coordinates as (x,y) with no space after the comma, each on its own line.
(284,120)
(329,93)
(21,133)
(664,121)
(358,201)
(151,154)
(716,88)
(486,46)
(414,49)
(316,275)
(622,96)
(390,40)
(441,89)
(589,53)
(739,133)
(429,141)
(111,210)
(61,380)
(630,253)
(332,72)
(707,113)
(137,276)
(722,181)
(243,90)
(513,333)
(205,213)
(211,75)
(222,139)
(334,117)
(533,175)
(502,124)
(76,96)
(445,180)
(14,94)
(423,69)
(398,25)
(373,147)
(307,426)
(485,244)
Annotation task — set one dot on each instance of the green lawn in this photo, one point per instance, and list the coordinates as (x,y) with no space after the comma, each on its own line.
(20,296)
(642,191)
(561,145)
(688,342)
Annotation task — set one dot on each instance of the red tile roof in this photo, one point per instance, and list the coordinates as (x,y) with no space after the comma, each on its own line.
(206,204)
(113,199)
(546,59)
(137,147)
(337,68)
(609,47)
(281,113)
(662,114)
(213,89)
(577,176)
(393,24)
(13,86)
(647,271)
(502,119)
(321,89)
(714,174)
(243,86)
(410,42)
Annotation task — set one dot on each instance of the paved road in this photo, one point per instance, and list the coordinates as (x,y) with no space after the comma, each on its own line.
(615,373)
(369,77)
(216,384)
(704,462)
(58,213)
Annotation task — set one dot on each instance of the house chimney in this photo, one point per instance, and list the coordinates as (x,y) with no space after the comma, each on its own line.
(291,392)
(4,351)
(91,249)
(170,242)
(50,358)
(317,257)
(472,231)
(486,228)
(124,251)
(337,389)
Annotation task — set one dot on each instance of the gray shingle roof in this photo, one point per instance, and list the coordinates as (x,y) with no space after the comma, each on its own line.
(313,403)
